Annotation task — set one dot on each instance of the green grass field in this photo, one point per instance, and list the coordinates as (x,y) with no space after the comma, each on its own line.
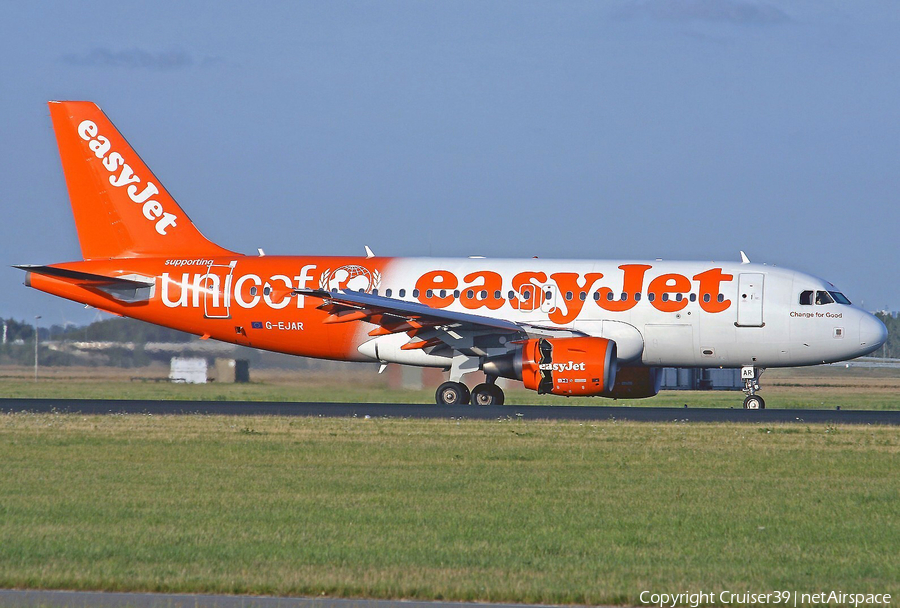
(818,387)
(504,510)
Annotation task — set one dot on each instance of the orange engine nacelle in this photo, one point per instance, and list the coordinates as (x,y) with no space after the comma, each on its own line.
(561,366)
(636,383)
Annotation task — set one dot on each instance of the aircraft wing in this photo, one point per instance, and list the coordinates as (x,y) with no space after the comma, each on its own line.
(427,327)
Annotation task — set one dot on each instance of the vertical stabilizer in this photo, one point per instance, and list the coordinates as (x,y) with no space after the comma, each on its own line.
(120,208)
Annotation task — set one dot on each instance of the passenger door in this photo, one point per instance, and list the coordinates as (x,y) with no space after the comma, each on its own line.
(750,299)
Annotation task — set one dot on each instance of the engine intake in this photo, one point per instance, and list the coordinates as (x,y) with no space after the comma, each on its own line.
(559,366)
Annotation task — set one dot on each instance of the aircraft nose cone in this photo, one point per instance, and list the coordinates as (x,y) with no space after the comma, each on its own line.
(872,333)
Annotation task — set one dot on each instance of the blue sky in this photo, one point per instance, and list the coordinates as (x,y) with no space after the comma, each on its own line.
(625,129)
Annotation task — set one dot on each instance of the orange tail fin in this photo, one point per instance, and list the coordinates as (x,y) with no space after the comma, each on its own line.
(121,209)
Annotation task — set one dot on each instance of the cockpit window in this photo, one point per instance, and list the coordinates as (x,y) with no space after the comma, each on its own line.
(822,297)
(806,297)
(839,297)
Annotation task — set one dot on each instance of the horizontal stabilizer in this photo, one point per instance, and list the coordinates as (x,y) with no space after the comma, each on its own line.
(86,277)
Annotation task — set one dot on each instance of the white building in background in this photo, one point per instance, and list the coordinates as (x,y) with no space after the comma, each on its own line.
(191,370)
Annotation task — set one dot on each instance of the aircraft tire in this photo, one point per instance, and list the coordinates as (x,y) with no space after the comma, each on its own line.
(754,402)
(487,394)
(452,393)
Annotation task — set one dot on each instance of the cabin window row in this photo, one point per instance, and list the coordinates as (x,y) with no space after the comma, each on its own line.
(527,295)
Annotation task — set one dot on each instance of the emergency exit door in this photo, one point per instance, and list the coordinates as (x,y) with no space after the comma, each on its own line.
(750,299)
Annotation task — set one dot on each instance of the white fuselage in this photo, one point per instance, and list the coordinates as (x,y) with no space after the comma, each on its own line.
(660,313)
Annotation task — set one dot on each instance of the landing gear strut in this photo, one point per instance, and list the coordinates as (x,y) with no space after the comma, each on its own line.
(750,375)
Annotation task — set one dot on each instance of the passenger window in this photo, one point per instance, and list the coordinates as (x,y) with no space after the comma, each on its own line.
(806,297)
(706,297)
(822,297)
(679,297)
(651,296)
(482,295)
(637,297)
(429,293)
(596,296)
(665,297)
(569,295)
(624,297)
(443,293)
(470,294)
(693,297)
(456,294)
(375,292)
(496,295)
(388,292)
(609,296)
(582,296)
(720,297)
(402,293)
(511,295)
(415,293)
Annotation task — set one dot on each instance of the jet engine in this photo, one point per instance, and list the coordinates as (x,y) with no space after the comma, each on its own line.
(561,366)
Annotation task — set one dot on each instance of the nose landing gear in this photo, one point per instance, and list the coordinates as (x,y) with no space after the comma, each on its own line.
(750,375)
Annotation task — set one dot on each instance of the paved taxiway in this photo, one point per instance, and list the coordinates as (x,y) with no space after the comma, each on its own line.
(403,410)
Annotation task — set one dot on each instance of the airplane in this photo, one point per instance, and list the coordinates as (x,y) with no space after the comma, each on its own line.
(561,327)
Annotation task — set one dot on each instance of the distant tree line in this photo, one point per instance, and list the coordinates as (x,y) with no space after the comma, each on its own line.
(891,348)
(18,348)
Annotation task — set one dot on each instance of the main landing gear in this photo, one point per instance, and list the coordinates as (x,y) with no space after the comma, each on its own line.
(452,393)
(750,375)
(457,393)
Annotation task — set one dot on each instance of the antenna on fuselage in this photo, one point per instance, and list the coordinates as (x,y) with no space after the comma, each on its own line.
(744,258)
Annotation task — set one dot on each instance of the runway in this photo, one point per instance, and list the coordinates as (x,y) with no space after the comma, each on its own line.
(405,410)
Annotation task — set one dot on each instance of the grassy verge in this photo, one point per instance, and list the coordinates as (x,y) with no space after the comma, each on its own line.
(820,388)
(501,510)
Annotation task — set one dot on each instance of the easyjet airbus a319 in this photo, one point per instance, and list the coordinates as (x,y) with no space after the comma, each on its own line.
(566,327)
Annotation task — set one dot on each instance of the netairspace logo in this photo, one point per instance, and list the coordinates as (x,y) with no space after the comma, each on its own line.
(785,598)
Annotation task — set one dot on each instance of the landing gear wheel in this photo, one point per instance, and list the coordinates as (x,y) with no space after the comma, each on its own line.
(487,394)
(754,402)
(452,393)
